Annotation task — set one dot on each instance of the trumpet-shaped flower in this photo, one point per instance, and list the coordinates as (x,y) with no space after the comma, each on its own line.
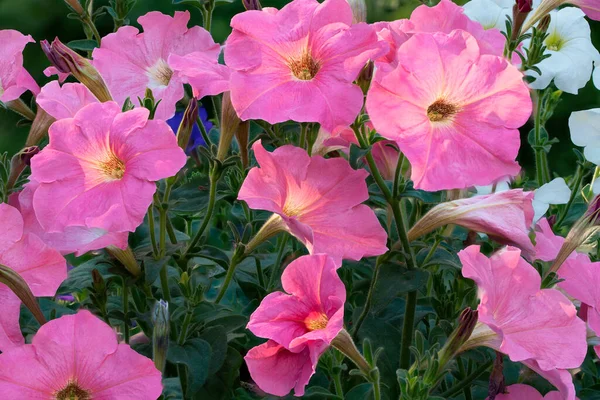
(299,63)
(42,267)
(453,111)
(560,378)
(522,392)
(504,216)
(318,200)
(491,14)
(64,101)
(130,62)
(340,139)
(571,52)
(100,167)
(517,317)
(553,192)
(14,79)
(385,153)
(585,132)
(77,357)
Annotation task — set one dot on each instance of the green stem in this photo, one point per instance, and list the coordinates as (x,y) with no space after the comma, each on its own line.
(369,300)
(407,329)
(467,388)
(398,174)
(152,231)
(207,14)
(579,174)
(125,312)
(278,261)
(184,328)
(162,215)
(164,283)
(337,381)
(203,132)
(467,381)
(303,131)
(90,24)
(228,277)
(376,391)
(541,161)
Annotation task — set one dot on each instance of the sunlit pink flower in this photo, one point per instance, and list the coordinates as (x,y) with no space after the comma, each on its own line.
(318,200)
(504,216)
(100,167)
(202,71)
(394,33)
(385,153)
(14,79)
(339,139)
(74,239)
(77,357)
(41,267)
(518,318)
(64,101)
(453,111)
(526,392)
(299,63)
(130,61)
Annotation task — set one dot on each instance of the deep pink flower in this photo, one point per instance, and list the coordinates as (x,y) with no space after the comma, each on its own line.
(14,79)
(64,101)
(560,378)
(318,200)
(453,111)
(42,267)
(100,167)
(385,153)
(394,33)
(77,356)
(130,61)
(299,63)
(526,392)
(518,318)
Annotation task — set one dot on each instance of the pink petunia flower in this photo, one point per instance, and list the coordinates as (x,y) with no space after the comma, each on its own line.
(64,101)
(42,267)
(526,392)
(299,63)
(453,111)
(385,153)
(14,79)
(318,200)
(591,8)
(518,318)
(339,139)
(559,378)
(300,325)
(547,244)
(100,167)
(130,61)
(77,357)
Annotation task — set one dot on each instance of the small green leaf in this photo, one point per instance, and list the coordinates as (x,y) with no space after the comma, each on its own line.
(83,44)
(195,354)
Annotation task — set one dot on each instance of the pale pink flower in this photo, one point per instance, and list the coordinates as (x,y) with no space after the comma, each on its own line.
(560,378)
(339,139)
(394,33)
(318,201)
(518,318)
(100,167)
(526,392)
(591,8)
(547,244)
(453,111)
(77,357)
(130,61)
(64,101)
(385,153)
(202,71)
(42,267)
(299,63)
(14,79)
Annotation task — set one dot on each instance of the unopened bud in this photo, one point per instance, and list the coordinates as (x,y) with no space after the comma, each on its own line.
(359,11)
(229,125)
(524,6)
(39,127)
(66,60)
(520,11)
(542,11)
(496,385)
(187,123)
(466,324)
(544,24)
(75,6)
(19,162)
(160,334)
(344,343)
(98,281)
(19,287)
(20,108)
(270,228)
(242,134)
(252,5)
(365,76)
(127,258)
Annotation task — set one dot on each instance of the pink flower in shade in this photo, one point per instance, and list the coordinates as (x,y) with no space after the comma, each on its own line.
(504,216)
(385,153)
(526,392)
(453,111)
(299,63)
(100,167)
(74,239)
(14,79)
(560,378)
(64,101)
(42,267)
(518,318)
(318,201)
(130,61)
(300,325)
(77,357)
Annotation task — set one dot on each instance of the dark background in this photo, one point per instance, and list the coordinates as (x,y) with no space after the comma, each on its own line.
(45,19)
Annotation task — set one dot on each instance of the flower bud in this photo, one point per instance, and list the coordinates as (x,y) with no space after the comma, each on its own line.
(68,61)
(466,325)
(160,334)
(187,123)
(270,228)
(75,6)
(20,108)
(242,134)
(542,11)
(524,6)
(544,24)
(98,281)
(19,287)
(252,5)
(497,385)
(520,11)
(19,162)
(229,125)
(359,11)
(39,127)
(365,76)
(344,343)
(127,258)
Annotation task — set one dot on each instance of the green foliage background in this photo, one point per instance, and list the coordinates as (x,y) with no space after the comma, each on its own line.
(45,19)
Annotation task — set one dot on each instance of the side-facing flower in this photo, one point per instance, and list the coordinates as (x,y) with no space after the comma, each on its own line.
(99,168)
(14,79)
(591,8)
(317,200)
(585,132)
(300,325)
(522,392)
(77,357)
(491,14)
(571,51)
(42,267)
(553,192)
(518,318)
(505,216)
(453,111)
(299,63)
(131,61)
(340,139)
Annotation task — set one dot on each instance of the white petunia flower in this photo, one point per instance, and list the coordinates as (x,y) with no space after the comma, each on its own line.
(585,132)
(572,52)
(490,13)
(502,185)
(553,192)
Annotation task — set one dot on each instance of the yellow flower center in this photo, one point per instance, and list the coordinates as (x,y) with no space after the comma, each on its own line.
(554,42)
(160,74)
(316,321)
(305,67)
(113,168)
(441,110)
(72,391)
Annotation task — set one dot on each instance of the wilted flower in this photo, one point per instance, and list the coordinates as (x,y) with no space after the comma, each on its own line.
(229,126)
(19,162)
(77,357)
(14,79)
(160,334)
(454,112)
(187,124)
(317,200)
(291,65)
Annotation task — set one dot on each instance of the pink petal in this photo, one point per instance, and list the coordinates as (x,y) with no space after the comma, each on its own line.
(64,102)
(14,79)
(23,376)
(10,330)
(547,244)
(12,226)
(520,392)
(560,378)
(206,76)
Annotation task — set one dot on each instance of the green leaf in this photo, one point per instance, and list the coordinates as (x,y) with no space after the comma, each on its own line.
(195,354)
(364,391)
(152,268)
(216,337)
(83,44)
(318,392)
(220,386)
(395,280)
(80,277)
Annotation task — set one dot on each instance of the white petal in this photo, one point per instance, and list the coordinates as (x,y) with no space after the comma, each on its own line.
(553,192)
(596,187)
(489,13)
(539,209)
(592,154)
(585,128)
(596,75)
